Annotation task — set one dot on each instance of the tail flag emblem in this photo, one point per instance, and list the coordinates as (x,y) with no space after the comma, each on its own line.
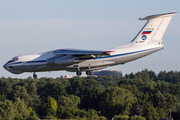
(146,32)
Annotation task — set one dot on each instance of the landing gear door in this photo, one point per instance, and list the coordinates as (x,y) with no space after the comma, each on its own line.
(33,65)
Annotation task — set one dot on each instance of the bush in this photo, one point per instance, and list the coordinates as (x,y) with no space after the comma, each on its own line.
(137,118)
(121,117)
(102,118)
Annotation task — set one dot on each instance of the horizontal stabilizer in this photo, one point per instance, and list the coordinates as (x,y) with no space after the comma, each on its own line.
(158,15)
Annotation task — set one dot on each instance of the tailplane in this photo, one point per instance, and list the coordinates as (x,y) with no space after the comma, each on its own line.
(154,29)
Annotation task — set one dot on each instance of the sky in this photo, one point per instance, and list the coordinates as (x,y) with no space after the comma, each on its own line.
(35,26)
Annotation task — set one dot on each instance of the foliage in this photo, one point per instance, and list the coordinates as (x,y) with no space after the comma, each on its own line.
(7,111)
(137,110)
(150,112)
(161,113)
(16,110)
(21,109)
(143,93)
(33,116)
(102,118)
(92,114)
(121,117)
(137,118)
(52,107)
(117,100)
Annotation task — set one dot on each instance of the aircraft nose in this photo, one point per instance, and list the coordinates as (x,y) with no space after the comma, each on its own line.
(5,66)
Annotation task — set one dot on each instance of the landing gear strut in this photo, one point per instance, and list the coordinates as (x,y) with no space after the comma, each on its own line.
(34,75)
(78,73)
(89,72)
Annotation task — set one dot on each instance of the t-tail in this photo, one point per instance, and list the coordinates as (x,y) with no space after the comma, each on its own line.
(153,31)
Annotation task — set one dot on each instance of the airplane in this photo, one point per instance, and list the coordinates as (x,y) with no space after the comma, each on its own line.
(147,41)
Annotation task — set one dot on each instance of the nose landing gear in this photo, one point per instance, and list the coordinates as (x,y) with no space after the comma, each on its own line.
(34,75)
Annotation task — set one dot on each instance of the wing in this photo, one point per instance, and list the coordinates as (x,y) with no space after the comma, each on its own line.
(81,53)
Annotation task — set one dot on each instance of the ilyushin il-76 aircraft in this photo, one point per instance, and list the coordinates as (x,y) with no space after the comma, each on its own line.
(147,41)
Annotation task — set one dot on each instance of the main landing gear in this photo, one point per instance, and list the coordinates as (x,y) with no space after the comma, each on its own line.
(34,75)
(79,73)
(88,72)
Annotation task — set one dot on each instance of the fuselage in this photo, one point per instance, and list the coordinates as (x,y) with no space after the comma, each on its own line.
(40,62)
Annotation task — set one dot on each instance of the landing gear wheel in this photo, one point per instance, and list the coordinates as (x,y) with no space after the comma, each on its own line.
(34,76)
(88,72)
(79,73)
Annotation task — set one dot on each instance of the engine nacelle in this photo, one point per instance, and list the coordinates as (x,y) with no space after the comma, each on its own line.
(62,60)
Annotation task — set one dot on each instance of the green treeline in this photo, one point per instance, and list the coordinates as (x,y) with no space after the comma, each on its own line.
(140,96)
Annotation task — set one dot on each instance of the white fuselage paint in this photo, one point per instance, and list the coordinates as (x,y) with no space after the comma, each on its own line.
(121,55)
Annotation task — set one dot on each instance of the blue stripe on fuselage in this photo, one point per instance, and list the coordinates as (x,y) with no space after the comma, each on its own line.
(36,61)
(126,53)
(15,63)
(29,62)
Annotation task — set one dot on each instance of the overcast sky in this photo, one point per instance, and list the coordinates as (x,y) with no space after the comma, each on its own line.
(35,26)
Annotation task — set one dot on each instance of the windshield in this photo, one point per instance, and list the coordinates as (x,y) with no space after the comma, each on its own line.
(13,59)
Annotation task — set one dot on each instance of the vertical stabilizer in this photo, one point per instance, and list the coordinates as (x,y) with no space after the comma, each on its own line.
(153,30)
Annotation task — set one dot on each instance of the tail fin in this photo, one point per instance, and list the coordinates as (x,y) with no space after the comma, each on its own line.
(154,29)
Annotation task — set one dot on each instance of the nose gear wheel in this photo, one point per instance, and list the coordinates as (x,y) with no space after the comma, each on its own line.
(34,75)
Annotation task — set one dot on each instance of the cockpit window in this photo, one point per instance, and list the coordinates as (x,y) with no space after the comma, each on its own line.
(13,59)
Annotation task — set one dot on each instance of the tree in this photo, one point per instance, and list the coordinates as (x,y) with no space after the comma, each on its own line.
(68,107)
(145,75)
(162,75)
(32,90)
(5,89)
(161,113)
(58,90)
(20,92)
(75,100)
(152,75)
(10,111)
(116,100)
(159,101)
(171,103)
(92,114)
(7,110)
(121,117)
(21,109)
(137,110)
(137,118)
(150,112)
(88,90)
(51,107)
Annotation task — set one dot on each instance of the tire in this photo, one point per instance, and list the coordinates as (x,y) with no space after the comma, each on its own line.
(88,72)
(79,73)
